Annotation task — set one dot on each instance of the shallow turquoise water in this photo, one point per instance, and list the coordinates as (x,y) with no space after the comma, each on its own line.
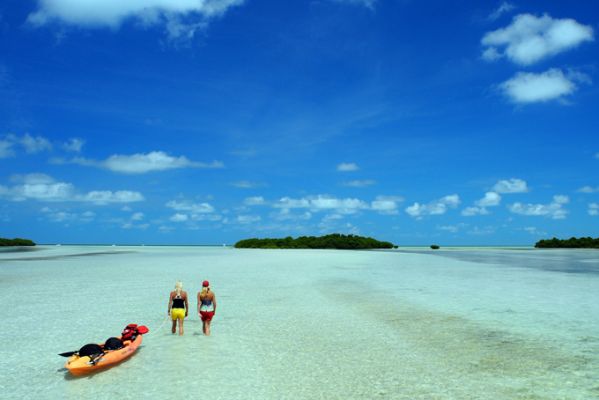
(301,324)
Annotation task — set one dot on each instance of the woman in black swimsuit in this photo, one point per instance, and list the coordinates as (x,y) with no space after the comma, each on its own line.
(178,307)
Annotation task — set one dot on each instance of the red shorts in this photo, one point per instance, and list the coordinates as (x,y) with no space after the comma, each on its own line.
(207,315)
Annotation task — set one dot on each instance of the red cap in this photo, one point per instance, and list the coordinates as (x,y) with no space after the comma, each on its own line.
(205,283)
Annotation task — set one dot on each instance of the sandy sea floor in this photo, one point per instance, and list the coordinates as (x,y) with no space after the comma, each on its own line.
(306,324)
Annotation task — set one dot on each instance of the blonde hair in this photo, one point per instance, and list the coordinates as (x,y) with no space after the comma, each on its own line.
(178,288)
(204,291)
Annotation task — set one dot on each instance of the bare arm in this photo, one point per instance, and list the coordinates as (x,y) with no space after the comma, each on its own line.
(199,302)
(214,301)
(170,303)
(186,304)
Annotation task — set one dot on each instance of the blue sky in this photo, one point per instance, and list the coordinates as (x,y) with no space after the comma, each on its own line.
(196,122)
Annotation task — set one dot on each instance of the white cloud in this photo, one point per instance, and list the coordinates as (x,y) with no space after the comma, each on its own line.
(472,211)
(552,84)
(143,163)
(194,208)
(248,219)
(359,183)
(73,145)
(347,167)
(6,149)
(512,185)
(529,39)
(42,187)
(491,199)
(534,231)
(138,216)
(436,207)
(589,189)
(31,144)
(102,197)
(181,18)
(65,216)
(553,210)
(593,209)
(323,203)
(254,201)
(35,144)
(366,3)
(504,8)
(246,184)
(452,228)
(386,204)
(179,217)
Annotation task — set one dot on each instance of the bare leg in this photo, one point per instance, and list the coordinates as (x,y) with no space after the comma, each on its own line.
(174,328)
(207,328)
(181,327)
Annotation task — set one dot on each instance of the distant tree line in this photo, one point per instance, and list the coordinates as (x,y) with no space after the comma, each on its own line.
(333,241)
(16,242)
(572,243)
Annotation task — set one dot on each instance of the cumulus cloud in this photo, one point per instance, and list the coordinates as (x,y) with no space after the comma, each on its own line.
(246,184)
(31,144)
(593,209)
(254,201)
(589,189)
(491,199)
(504,8)
(102,197)
(142,163)
(534,231)
(513,185)
(529,39)
(35,144)
(347,167)
(436,207)
(359,183)
(323,203)
(248,219)
(552,210)
(54,215)
(138,216)
(386,204)
(73,145)
(553,84)
(42,187)
(194,208)
(178,217)
(6,149)
(473,211)
(366,3)
(181,18)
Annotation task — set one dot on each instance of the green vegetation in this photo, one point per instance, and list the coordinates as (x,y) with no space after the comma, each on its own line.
(435,246)
(572,243)
(334,241)
(16,242)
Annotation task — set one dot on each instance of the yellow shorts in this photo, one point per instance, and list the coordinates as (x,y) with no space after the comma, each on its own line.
(177,313)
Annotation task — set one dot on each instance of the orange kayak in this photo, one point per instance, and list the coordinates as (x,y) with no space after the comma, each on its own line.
(85,365)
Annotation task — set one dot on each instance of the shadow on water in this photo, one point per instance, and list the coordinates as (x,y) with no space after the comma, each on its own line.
(60,257)
(517,366)
(557,260)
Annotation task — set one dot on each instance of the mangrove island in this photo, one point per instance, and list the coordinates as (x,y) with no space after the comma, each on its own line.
(572,243)
(333,241)
(16,242)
